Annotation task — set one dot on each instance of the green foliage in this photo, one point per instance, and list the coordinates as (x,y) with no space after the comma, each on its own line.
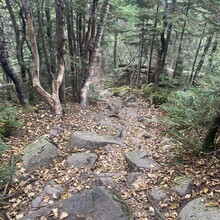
(8,120)
(94,93)
(156,95)
(189,112)
(148,90)
(158,98)
(120,91)
(4,170)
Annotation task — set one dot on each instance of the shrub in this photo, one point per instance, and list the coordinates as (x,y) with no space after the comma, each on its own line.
(189,112)
(8,119)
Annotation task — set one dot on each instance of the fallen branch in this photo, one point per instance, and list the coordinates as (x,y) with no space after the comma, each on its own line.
(4,86)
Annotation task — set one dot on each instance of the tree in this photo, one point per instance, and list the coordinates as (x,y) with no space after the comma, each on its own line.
(95,53)
(52,99)
(8,69)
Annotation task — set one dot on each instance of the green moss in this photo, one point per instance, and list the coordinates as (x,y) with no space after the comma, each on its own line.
(120,91)
(125,208)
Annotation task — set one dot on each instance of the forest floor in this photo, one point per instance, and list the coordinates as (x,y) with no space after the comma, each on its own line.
(141,131)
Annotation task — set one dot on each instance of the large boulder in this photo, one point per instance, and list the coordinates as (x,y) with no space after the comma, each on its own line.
(97,204)
(197,210)
(82,159)
(39,153)
(139,159)
(91,141)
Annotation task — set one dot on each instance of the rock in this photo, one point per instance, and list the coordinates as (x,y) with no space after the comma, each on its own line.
(158,194)
(181,184)
(130,101)
(39,153)
(197,210)
(82,159)
(91,141)
(135,140)
(133,176)
(52,192)
(55,131)
(139,159)
(106,179)
(109,125)
(130,113)
(97,204)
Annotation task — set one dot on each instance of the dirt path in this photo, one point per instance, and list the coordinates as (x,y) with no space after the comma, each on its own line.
(137,124)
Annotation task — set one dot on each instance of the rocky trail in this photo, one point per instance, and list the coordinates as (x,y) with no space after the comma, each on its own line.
(112,161)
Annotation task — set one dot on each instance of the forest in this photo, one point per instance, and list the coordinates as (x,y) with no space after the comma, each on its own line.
(111,107)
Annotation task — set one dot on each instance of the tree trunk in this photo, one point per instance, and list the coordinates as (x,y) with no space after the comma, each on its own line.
(214,49)
(209,140)
(95,53)
(19,40)
(152,47)
(9,71)
(115,49)
(169,31)
(180,44)
(199,66)
(52,99)
(196,55)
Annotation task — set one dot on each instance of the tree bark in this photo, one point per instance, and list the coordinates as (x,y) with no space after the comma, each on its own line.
(9,71)
(196,55)
(52,99)
(152,47)
(209,140)
(199,66)
(19,40)
(95,53)
(180,44)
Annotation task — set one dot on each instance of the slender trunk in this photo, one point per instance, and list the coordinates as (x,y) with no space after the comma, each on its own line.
(60,48)
(115,49)
(169,31)
(196,55)
(95,53)
(49,41)
(19,40)
(152,47)
(9,71)
(140,58)
(199,66)
(214,49)
(180,44)
(52,99)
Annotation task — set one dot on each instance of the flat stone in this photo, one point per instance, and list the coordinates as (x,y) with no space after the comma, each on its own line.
(135,140)
(181,184)
(133,176)
(82,159)
(53,192)
(197,210)
(39,153)
(106,179)
(158,194)
(91,141)
(139,159)
(55,131)
(97,204)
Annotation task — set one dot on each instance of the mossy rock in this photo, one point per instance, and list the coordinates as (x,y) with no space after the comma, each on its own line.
(158,98)
(121,91)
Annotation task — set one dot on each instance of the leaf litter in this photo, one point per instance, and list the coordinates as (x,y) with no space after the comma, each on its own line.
(204,168)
